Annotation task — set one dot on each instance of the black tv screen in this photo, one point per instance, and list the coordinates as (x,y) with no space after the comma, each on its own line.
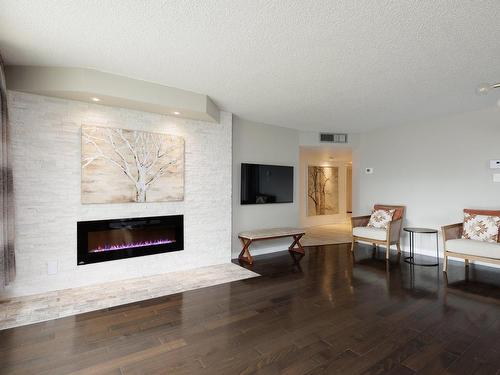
(262,184)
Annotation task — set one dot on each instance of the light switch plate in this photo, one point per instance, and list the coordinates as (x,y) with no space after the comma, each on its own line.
(495,164)
(496,177)
(369,170)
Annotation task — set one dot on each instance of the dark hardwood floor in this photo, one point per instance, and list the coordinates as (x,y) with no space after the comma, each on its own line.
(324,314)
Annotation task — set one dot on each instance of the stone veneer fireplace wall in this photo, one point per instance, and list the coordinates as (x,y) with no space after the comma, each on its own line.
(46,159)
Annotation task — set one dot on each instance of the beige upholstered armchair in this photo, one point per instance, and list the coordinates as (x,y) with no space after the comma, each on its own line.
(379,236)
(468,249)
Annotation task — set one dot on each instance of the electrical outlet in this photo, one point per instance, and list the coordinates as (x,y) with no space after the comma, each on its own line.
(51,267)
(369,170)
(496,177)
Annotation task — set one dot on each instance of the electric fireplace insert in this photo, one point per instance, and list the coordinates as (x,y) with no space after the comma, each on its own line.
(103,240)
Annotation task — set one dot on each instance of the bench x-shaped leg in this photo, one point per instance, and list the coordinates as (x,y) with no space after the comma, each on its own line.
(296,242)
(245,252)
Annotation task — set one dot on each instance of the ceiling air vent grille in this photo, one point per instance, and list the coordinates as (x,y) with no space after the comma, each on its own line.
(333,137)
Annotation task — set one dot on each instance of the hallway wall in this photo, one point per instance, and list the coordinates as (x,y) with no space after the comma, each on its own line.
(320,156)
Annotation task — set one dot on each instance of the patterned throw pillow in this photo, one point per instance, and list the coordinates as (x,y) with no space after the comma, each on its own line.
(481,227)
(381,218)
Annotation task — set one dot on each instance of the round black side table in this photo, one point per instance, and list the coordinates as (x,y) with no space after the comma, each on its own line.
(412,232)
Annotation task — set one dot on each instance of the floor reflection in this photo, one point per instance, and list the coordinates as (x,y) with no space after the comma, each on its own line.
(475,282)
(341,268)
(335,272)
(399,278)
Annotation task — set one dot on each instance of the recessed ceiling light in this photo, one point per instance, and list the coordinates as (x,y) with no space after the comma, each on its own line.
(177,113)
(94,99)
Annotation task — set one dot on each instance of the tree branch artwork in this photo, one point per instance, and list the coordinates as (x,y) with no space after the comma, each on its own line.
(121,165)
(322,191)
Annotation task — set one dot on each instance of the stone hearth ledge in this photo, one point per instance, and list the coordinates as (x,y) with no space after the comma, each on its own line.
(19,311)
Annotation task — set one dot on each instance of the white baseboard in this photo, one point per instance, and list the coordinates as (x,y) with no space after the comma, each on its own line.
(432,253)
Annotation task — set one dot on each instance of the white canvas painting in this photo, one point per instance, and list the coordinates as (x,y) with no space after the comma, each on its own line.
(121,166)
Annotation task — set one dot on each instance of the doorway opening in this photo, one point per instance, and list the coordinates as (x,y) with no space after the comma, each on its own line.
(325,193)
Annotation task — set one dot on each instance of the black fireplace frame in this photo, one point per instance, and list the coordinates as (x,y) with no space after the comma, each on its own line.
(83,227)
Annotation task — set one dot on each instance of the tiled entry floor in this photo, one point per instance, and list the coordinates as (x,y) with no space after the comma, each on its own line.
(21,311)
(330,234)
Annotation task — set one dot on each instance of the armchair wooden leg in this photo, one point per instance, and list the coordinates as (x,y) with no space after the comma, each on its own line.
(352,245)
(387,251)
(466,262)
(445,262)
(399,247)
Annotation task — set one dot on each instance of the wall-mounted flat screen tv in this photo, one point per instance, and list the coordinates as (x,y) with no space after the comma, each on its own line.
(261,184)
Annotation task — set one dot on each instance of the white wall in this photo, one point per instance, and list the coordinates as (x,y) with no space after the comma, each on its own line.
(46,160)
(263,144)
(319,156)
(436,169)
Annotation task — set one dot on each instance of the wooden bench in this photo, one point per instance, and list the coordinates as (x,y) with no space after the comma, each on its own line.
(248,237)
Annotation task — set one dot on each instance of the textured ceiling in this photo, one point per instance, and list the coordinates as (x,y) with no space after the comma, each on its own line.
(329,65)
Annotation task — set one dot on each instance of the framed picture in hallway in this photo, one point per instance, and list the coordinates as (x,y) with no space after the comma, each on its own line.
(322,190)
(120,166)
